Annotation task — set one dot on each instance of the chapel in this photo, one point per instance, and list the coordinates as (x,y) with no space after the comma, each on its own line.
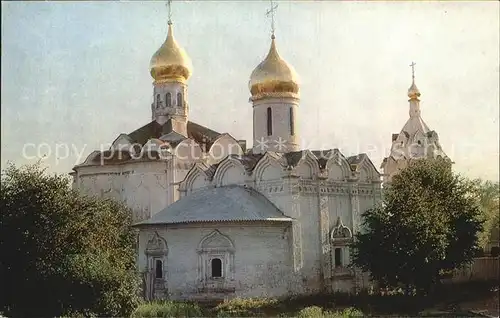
(218,219)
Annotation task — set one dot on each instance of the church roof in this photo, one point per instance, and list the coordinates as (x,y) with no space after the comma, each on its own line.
(223,204)
(199,133)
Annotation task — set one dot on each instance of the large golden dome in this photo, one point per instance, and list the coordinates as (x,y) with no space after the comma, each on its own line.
(274,77)
(170,62)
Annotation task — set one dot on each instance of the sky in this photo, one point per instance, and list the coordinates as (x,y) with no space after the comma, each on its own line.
(76,74)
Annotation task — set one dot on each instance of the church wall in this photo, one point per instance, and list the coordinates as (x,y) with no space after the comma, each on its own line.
(311,246)
(261,262)
(222,147)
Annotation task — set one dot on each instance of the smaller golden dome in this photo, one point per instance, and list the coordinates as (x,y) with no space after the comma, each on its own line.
(413,91)
(274,77)
(170,62)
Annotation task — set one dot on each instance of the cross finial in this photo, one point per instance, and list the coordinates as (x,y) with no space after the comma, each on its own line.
(169,8)
(271,12)
(413,70)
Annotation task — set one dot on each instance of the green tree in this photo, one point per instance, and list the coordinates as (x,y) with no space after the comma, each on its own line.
(488,195)
(62,252)
(428,223)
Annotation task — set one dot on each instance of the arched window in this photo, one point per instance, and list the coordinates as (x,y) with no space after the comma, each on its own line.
(158,268)
(168,97)
(292,126)
(157,100)
(216,267)
(269,122)
(179,100)
(338,257)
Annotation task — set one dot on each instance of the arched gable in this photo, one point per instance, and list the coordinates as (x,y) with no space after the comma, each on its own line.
(367,171)
(216,241)
(337,166)
(196,178)
(269,167)
(308,165)
(229,171)
(122,142)
(91,157)
(222,147)
(188,149)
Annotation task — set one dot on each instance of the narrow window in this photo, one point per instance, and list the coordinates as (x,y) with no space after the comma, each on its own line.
(338,257)
(158,269)
(168,97)
(157,100)
(269,122)
(216,267)
(292,127)
(179,100)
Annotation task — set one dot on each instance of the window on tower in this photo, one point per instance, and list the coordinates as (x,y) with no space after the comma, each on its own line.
(338,257)
(269,122)
(179,99)
(292,126)
(157,100)
(168,97)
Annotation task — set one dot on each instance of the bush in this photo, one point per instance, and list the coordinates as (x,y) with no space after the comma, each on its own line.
(244,307)
(63,253)
(318,312)
(167,309)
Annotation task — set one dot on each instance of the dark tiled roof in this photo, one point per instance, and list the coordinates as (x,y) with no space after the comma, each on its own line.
(199,133)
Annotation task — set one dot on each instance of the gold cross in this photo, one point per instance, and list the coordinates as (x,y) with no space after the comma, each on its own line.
(413,70)
(271,12)
(169,8)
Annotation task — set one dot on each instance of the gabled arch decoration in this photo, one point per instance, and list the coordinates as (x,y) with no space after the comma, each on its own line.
(270,159)
(225,165)
(308,158)
(337,160)
(198,170)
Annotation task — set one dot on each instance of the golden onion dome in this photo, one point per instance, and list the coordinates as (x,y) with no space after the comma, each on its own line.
(170,62)
(413,91)
(274,77)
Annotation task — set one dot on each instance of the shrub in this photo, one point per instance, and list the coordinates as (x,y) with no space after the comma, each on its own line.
(167,309)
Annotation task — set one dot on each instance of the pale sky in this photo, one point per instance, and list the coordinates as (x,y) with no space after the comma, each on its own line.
(75,74)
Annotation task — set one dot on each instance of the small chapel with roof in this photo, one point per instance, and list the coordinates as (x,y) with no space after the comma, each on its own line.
(218,219)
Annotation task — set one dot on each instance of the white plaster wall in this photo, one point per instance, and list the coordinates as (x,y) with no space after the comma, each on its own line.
(281,124)
(233,175)
(262,266)
(222,147)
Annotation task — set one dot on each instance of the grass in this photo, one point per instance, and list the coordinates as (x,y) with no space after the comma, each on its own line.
(446,301)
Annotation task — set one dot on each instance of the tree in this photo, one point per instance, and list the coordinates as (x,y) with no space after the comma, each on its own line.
(62,252)
(488,195)
(428,223)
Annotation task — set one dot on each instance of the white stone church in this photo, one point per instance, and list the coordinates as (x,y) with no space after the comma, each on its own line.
(218,220)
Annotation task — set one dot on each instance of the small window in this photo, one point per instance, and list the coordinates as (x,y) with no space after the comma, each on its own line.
(338,257)
(269,122)
(168,98)
(419,142)
(292,124)
(157,100)
(216,267)
(179,100)
(158,269)
(495,251)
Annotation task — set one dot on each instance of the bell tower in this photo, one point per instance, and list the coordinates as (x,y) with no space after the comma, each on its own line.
(170,68)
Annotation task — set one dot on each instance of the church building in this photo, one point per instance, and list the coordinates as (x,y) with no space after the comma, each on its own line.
(218,219)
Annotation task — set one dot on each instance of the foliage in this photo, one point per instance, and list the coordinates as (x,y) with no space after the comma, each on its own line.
(244,307)
(488,195)
(428,223)
(61,252)
(318,312)
(167,309)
